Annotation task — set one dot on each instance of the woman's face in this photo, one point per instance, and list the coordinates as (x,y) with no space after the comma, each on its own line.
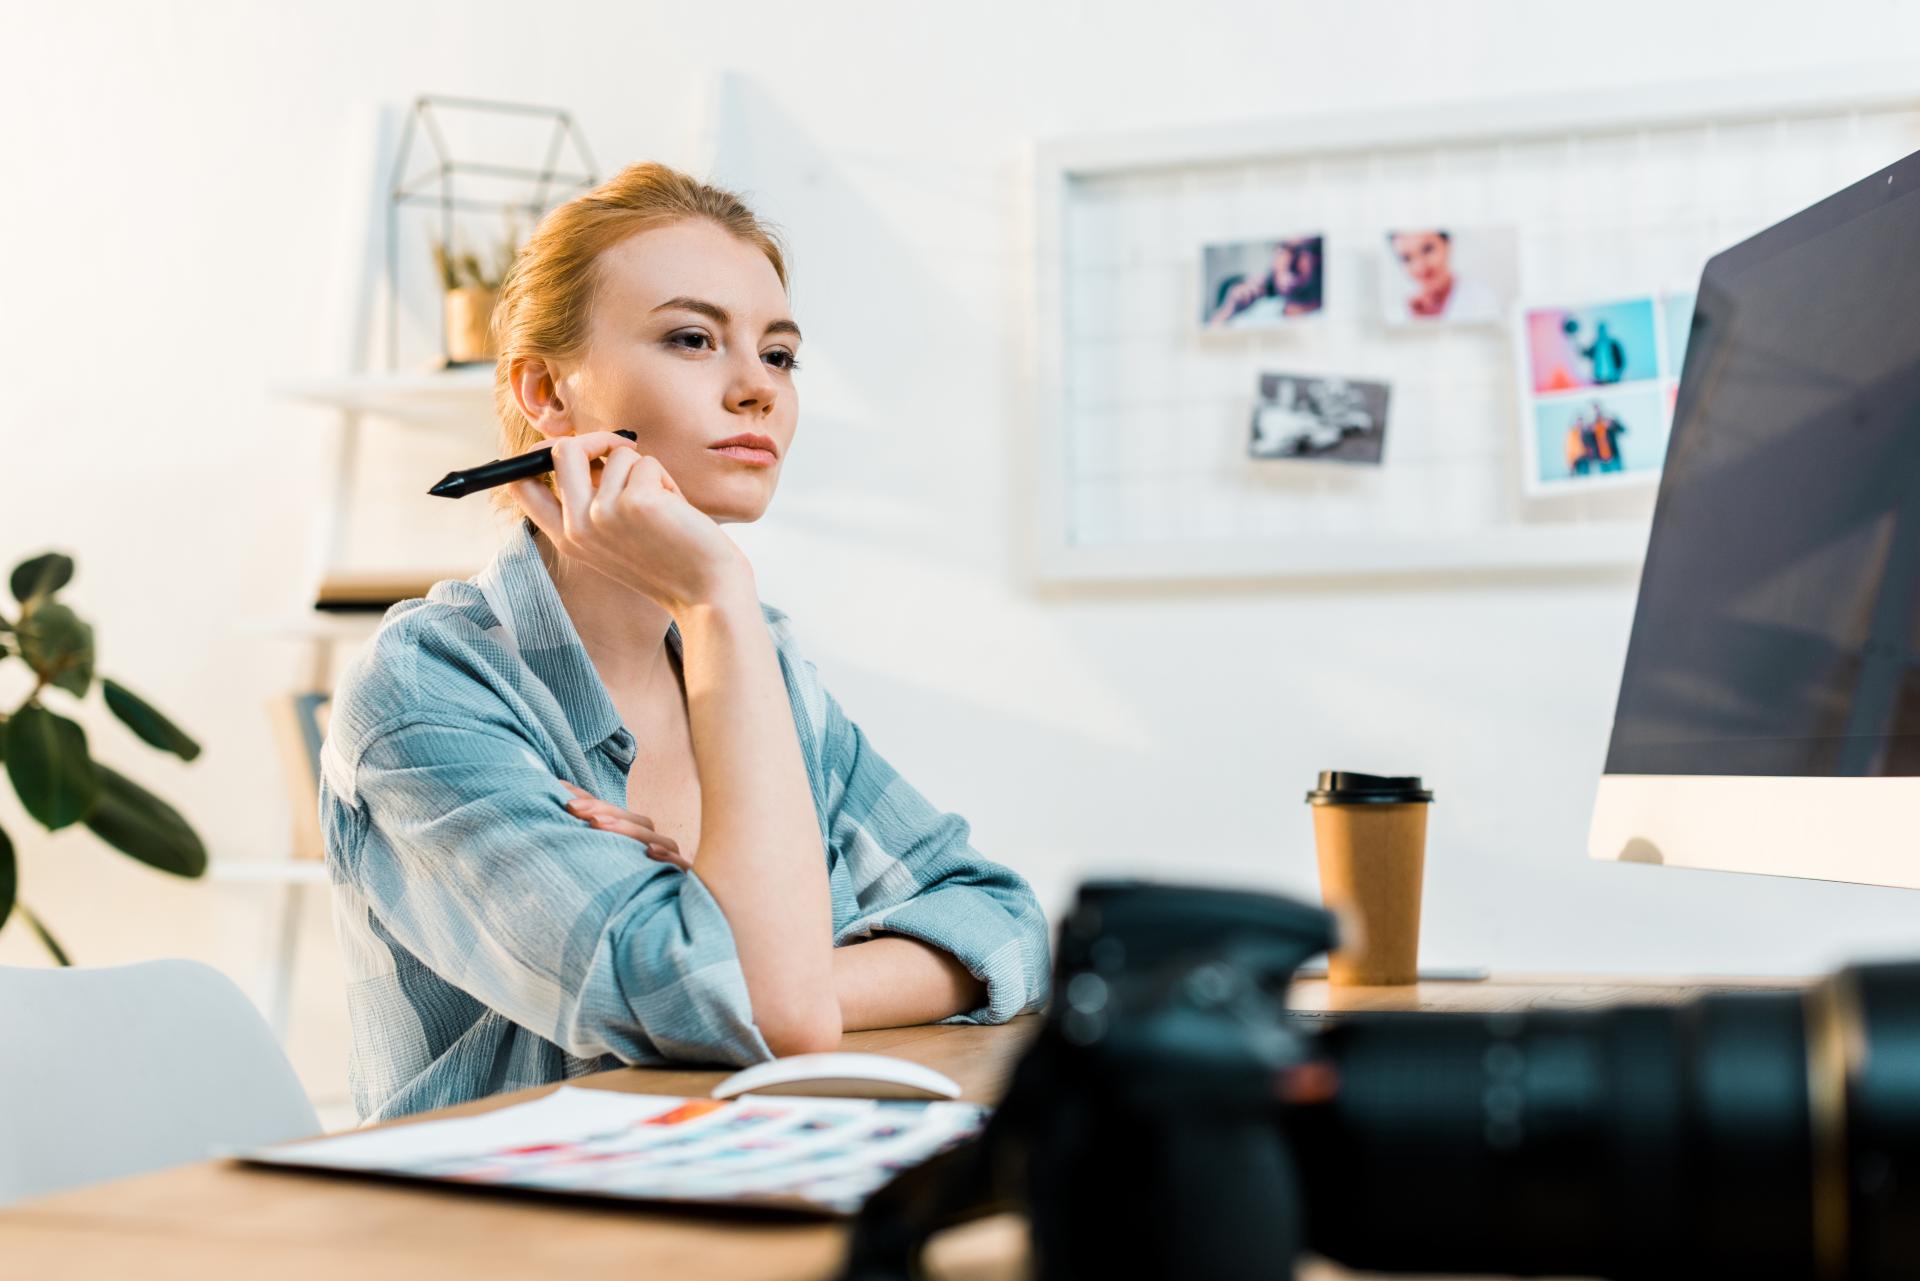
(690,345)
(1425,256)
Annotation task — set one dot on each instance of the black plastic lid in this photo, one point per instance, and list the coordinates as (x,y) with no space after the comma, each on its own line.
(1344,787)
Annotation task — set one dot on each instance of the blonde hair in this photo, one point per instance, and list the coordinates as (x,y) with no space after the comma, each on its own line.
(546,300)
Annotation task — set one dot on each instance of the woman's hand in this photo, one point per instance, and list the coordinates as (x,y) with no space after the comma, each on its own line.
(611,818)
(1237,299)
(634,525)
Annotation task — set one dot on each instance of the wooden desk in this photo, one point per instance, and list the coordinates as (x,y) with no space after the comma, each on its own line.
(217,1219)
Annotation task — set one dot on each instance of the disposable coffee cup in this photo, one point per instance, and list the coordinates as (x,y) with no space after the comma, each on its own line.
(1371,837)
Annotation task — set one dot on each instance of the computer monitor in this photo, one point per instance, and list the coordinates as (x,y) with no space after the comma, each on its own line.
(1769,712)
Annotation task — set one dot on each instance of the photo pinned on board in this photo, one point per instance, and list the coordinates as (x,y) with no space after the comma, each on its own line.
(1598,383)
(1590,440)
(1262,284)
(1441,276)
(1570,348)
(1310,416)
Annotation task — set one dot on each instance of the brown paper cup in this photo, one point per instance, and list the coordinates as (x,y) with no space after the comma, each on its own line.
(1372,858)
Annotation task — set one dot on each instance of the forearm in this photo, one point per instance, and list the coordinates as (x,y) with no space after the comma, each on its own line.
(761,854)
(895,981)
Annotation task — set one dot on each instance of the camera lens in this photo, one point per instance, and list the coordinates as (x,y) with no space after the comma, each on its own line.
(1743,1134)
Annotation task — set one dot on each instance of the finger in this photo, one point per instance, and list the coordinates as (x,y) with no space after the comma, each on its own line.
(571,478)
(626,827)
(680,861)
(648,478)
(612,478)
(593,807)
(599,444)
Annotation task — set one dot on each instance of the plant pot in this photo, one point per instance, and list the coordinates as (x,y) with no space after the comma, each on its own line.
(469,324)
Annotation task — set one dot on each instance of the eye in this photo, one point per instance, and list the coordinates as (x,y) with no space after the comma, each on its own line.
(698,337)
(783,359)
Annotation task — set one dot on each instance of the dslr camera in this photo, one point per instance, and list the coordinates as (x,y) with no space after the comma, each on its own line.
(1173,1119)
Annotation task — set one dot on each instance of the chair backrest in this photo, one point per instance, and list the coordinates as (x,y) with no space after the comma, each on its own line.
(113,1070)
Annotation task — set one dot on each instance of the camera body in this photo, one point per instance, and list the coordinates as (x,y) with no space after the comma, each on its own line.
(1171,1119)
(1139,1129)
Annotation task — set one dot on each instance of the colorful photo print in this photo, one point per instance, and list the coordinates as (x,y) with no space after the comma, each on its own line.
(1677,311)
(1262,284)
(1599,439)
(1441,275)
(1307,416)
(1599,345)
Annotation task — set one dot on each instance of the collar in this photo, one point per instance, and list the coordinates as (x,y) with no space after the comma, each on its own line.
(523,598)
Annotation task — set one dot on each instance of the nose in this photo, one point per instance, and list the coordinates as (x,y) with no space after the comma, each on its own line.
(753,388)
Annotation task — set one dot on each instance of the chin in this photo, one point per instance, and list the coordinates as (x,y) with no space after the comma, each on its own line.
(736,510)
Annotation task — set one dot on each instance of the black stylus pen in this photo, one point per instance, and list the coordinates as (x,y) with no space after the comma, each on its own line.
(458,484)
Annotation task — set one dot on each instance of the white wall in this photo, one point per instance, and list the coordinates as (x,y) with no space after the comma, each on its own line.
(185,223)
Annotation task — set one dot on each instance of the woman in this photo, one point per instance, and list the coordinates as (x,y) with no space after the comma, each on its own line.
(592,806)
(1292,279)
(1431,288)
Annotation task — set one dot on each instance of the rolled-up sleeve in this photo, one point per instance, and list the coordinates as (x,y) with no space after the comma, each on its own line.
(472,862)
(914,873)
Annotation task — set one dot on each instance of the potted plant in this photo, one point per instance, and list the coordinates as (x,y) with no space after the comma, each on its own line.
(46,754)
(471,290)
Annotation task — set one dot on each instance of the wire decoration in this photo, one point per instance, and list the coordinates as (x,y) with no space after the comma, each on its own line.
(438,184)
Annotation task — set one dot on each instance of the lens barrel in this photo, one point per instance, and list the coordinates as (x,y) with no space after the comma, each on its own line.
(1762,1135)
(1637,1141)
(1878,1027)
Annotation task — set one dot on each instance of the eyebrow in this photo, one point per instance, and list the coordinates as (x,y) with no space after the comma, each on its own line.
(719,316)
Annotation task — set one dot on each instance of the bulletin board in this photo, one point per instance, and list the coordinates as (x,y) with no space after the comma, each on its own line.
(1140,468)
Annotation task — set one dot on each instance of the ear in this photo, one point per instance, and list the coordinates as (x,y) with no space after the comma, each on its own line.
(540,393)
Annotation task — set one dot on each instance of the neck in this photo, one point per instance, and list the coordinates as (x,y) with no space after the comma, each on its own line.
(624,631)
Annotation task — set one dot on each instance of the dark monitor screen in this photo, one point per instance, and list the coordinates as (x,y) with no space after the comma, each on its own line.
(1778,623)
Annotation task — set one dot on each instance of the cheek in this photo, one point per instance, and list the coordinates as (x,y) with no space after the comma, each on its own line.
(661,405)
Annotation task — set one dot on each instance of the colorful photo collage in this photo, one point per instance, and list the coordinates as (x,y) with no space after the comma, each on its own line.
(1597,387)
(1598,379)
(1428,276)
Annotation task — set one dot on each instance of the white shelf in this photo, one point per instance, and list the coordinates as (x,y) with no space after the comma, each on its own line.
(319,625)
(267,871)
(444,396)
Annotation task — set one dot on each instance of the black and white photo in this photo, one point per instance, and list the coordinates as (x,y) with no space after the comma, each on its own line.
(1315,416)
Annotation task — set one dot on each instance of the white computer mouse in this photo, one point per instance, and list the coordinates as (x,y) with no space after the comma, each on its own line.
(859,1076)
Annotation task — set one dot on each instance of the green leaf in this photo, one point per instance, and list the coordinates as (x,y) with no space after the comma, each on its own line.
(41,576)
(9,877)
(135,821)
(46,939)
(48,763)
(140,717)
(58,645)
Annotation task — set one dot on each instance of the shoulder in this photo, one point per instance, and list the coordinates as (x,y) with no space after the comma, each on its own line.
(804,690)
(437,656)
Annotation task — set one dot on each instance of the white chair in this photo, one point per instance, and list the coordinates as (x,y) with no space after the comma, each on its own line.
(114,1070)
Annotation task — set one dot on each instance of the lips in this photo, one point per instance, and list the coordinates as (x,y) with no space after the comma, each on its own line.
(747,446)
(751,440)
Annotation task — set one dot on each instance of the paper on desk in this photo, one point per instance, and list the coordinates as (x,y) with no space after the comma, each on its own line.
(821,1154)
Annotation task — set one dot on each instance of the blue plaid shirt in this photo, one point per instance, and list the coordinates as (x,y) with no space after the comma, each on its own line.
(493,941)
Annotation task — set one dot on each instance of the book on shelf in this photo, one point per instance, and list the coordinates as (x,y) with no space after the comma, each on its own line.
(373,590)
